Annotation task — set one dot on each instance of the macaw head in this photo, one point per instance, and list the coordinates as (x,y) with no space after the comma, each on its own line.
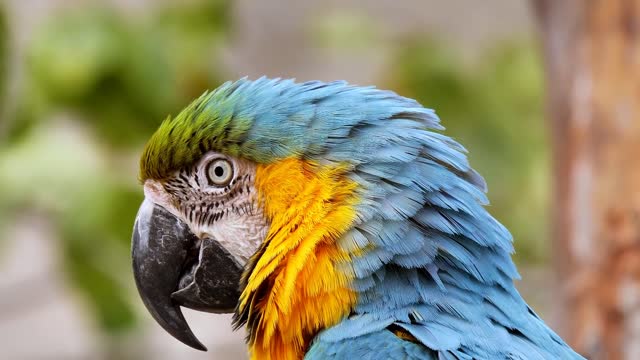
(247,192)
(319,206)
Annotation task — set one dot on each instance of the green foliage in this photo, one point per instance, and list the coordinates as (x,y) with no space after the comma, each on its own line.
(188,33)
(345,31)
(3,57)
(97,85)
(76,53)
(58,172)
(124,78)
(494,108)
(82,61)
(96,237)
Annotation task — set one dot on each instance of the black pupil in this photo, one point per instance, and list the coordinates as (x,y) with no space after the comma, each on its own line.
(219,171)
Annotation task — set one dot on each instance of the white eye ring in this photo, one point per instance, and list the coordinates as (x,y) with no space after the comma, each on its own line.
(219,172)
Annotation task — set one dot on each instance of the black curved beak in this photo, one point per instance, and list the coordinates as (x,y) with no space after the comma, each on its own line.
(172,267)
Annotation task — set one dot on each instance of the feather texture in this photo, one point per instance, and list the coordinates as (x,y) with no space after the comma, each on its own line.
(428,269)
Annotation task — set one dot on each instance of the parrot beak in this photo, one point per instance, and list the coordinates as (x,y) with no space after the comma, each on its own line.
(172,267)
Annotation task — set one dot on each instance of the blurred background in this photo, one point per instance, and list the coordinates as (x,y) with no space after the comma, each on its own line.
(83,84)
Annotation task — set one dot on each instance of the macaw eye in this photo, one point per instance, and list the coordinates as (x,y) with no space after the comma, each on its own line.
(219,172)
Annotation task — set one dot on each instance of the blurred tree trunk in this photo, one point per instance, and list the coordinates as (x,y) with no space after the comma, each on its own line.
(592,57)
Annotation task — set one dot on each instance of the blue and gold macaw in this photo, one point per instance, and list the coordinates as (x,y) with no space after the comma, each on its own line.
(335,223)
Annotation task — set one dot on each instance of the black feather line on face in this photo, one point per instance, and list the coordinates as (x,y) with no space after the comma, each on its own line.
(250,315)
(203,208)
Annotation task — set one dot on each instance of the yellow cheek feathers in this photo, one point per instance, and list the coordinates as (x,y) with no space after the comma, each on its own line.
(309,208)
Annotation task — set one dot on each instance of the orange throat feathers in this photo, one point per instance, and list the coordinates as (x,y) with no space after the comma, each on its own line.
(297,286)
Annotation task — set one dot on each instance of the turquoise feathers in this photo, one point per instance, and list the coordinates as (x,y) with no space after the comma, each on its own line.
(429,261)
